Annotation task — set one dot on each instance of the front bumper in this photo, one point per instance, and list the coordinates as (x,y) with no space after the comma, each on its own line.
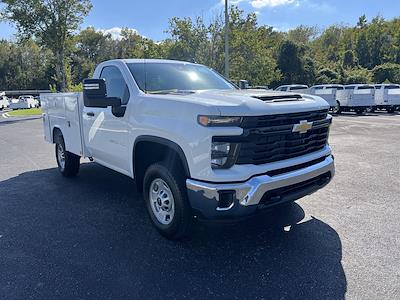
(258,192)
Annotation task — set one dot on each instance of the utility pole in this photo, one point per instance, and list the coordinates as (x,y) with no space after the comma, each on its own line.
(226,40)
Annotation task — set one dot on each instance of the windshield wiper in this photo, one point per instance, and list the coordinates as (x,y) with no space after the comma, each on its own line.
(172,91)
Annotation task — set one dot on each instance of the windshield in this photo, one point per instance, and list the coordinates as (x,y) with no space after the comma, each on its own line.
(296,88)
(174,77)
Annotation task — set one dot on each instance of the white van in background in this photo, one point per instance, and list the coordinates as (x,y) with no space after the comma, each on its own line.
(24,102)
(300,88)
(387,97)
(4,103)
(356,97)
(328,93)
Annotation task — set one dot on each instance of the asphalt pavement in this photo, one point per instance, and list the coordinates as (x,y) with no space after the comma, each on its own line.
(90,237)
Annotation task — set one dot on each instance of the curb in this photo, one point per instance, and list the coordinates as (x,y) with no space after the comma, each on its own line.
(8,120)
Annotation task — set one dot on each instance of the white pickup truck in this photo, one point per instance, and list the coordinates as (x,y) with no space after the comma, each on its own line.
(196,146)
(4,102)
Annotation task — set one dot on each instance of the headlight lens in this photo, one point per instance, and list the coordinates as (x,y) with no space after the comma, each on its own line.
(219,121)
(223,155)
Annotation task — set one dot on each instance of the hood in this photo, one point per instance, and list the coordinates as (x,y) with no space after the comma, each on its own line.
(251,102)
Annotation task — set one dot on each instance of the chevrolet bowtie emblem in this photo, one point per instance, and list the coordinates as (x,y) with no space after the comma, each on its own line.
(302,127)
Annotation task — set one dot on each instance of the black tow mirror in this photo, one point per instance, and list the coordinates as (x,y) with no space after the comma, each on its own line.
(243,84)
(95,94)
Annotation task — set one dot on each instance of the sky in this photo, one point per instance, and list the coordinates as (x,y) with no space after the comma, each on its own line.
(150,18)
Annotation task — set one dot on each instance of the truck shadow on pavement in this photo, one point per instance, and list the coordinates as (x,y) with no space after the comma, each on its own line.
(90,237)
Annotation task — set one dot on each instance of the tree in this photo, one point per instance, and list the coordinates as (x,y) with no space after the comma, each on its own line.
(24,65)
(349,59)
(362,22)
(362,50)
(360,75)
(386,72)
(289,61)
(326,76)
(302,34)
(51,22)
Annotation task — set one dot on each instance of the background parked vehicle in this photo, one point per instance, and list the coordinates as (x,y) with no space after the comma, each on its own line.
(387,97)
(328,93)
(24,102)
(356,97)
(4,102)
(292,88)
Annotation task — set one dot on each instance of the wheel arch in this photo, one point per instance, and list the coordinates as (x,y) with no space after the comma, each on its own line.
(56,131)
(149,149)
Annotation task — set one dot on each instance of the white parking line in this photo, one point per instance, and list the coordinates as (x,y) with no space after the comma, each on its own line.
(5,115)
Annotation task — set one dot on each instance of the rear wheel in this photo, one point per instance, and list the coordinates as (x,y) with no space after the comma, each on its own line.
(390,110)
(166,200)
(68,163)
(359,111)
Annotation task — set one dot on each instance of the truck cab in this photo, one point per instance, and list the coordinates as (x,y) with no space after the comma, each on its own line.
(328,93)
(198,147)
(299,88)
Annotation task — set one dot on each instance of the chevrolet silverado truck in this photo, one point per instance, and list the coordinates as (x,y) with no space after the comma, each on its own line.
(196,145)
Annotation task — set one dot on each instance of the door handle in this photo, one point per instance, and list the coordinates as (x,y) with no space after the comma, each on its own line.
(90,114)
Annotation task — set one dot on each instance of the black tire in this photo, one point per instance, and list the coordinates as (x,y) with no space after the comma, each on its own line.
(337,110)
(70,166)
(390,110)
(359,111)
(181,221)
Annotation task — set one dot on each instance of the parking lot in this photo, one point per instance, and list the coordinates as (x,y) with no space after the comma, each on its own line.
(90,237)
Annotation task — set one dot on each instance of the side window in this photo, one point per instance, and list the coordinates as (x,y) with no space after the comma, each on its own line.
(115,83)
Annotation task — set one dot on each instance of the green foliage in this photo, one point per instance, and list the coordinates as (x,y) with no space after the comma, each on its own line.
(50,52)
(24,65)
(51,22)
(387,72)
(360,75)
(349,59)
(327,76)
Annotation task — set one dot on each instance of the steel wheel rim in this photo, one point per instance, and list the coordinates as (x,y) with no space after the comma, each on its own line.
(61,156)
(162,201)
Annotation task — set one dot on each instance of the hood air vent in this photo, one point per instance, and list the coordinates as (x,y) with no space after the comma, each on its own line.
(279,98)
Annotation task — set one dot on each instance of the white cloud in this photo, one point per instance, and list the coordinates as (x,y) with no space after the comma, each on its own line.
(270,3)
(115,32)
(259,3)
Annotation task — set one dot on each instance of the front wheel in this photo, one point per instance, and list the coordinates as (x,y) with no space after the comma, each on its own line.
(337,109)
(68,163)
(166,200)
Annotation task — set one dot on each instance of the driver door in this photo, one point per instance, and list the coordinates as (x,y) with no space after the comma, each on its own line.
(105,132)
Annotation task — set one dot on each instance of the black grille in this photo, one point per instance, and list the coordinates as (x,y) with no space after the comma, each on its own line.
(287,119)
(268,139)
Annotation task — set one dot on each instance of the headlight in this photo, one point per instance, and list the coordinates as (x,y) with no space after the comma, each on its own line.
(219,121)
(223,155)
